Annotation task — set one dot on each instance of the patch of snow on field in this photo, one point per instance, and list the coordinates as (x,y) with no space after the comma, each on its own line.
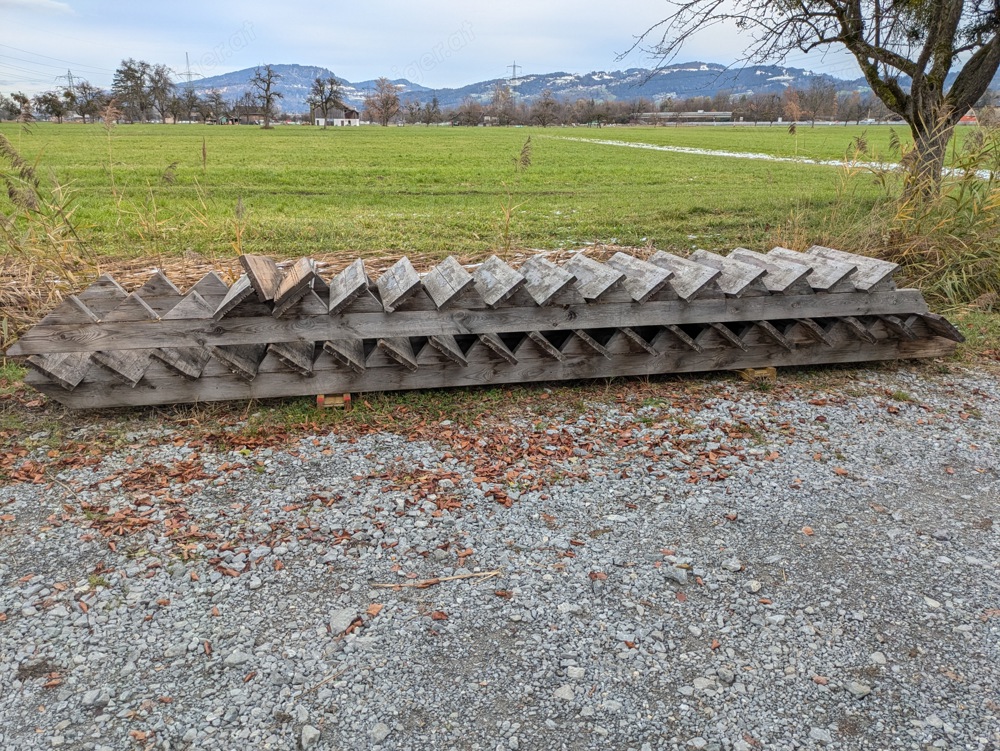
(984,174)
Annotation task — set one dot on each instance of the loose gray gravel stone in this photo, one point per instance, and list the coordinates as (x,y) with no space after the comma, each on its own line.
(309,737)
(565,693)
(634,594)
(341,620)
(859,690)
(380,732)
(822,735)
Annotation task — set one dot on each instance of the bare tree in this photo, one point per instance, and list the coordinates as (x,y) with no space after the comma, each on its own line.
(470,112)
(162,90)
(382,104)
(909,52)
(192,103)
(545,112)
(326,94)
(413,109)
(818,100)
(502,103)
(215,104)
(266,95)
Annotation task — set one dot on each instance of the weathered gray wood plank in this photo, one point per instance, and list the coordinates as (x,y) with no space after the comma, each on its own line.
(294,284)
(348,352)
(187,361)
(308,304)
(65,368)
(672,334)
(737,278)
(690,278)
(299,356)
(899,326)
(103,296)
(814,330)
(346,286)
(264,329)
(774,334)
(400,350)
(165,388)
(264,275)
(637,338)
(397,284)
(71,311)
(591,342)
(872,274)
(728,334)
(69,368)
(827,275)
(593,279)
(642,279)
(496,281)
(544,280)
(212,289)
(242,359)
(159,294)
(857,327)
(447,281)
(784,277)
(127,364)
(448,347)
(497,346)
(241,290)
(545,345)
(942,327)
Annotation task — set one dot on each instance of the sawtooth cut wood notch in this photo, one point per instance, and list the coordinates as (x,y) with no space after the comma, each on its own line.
(288,331)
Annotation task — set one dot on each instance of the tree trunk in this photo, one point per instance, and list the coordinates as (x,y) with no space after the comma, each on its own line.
(926,164)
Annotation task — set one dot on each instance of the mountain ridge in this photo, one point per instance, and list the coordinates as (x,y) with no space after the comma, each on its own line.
(678,81)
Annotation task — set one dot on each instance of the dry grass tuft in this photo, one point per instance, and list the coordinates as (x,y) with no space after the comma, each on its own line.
(47,258)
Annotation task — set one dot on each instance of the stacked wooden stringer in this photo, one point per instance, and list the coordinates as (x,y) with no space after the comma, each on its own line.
(290,331)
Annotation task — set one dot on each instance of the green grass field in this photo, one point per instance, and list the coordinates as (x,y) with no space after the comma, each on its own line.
(439,190)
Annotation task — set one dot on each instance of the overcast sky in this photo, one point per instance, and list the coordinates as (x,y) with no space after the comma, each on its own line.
(435,43)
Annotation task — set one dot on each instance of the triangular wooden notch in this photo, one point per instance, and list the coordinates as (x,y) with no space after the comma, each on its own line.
(447,281)
(496,281)
(346,286)
(400,350)
(397,284)
(348,352)
(264,275)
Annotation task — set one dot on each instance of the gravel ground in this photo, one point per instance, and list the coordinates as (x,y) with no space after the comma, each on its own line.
(696,564)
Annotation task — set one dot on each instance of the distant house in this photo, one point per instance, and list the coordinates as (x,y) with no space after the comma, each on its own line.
(335,118)
(969,118)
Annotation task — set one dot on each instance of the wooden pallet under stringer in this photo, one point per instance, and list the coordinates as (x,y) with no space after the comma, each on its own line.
(290,331)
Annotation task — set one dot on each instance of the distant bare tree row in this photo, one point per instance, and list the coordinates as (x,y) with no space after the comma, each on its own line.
(144,92)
